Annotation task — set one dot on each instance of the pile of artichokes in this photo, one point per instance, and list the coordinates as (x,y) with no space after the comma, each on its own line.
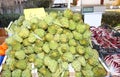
(51,43)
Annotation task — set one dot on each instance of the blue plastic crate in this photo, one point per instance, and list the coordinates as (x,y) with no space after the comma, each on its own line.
(1,59)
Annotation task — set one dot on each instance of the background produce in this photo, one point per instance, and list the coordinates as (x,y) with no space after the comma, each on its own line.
(112,18)
(113,62)
(51,44)
(6,18)
(104,37)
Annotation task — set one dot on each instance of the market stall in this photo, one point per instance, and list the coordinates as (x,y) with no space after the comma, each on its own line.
(56,45)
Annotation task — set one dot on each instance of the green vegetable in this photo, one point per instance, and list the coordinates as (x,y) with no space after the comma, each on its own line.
(63,48)
(39,32)
(5,67)
(66,74)
(72,49)
(53,66)
(46,47)
(17,73)
(93,61)
(37,49)
(38,62)
(52,29)
(6,73)
(64,22)
(82,61)
(53,45)
(57,37)
(31,57)
(39,43)
(87,73)
(11,63)
(78,74)
(29,50)
(26,42)
(64,65)
(80,50)
(16,46)
(77,36)
(47,60)
(57,22)
(81,28)
(49,19)
(72,42)
(87,34)
(20,54)
(27,24)
(68,57)
(39,74)
(55,54)
(68,13)
(84,42)
(100,72)
(76,65)
(87,67)
(21,64)
(41,55)
(58,72)
(49,36)
(89,52)
(42,24)
(59,30)
(17,38)
(34,26)
(77,17)
(26,73)
(72,25)
(45,72)
(20,20)
(69,35)
(9,40)
(63,38)
(31,38)
(53,14)
(24,32)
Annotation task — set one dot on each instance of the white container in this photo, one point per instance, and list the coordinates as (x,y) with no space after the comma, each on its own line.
(93,19)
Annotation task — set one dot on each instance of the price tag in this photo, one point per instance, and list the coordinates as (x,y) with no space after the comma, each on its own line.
(34,12)
(87,10)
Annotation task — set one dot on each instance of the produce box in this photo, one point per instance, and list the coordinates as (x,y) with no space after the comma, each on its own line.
(3,32)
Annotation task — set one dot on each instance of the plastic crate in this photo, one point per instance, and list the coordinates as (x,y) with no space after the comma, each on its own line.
(1,59)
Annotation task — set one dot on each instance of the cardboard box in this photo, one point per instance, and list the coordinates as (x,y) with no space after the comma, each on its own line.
(3,35)
(3,32)
(2,39)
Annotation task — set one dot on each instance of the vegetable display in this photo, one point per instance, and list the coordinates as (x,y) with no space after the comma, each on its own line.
(113,62)
(51,44)
(105,38)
